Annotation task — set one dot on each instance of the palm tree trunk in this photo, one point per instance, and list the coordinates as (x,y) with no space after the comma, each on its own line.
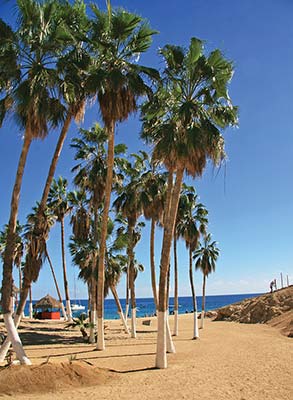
(20,281)
(130,253)
(203,302)
(153,266)
(161,358)
(94,290)
(120,311)
(93,314)
(175,331)
(132,284)
(66,290)
(101,266)
(56,285)
(168,197)
(50,176)
(14,211)
(127,293)
(8,255)
(170,344)
(20,286)
(30,304)
(54,161)
(17,317)
(195,321)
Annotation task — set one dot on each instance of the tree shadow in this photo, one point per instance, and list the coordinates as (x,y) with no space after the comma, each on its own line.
(133,370)
(36,338)
(93,352)
(44,329)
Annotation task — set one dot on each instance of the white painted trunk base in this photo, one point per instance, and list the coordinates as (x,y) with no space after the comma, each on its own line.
(92,338)
(195,326)
(68,310)
(175,329)
(133,323)
(101,339)
(126,312)
(202,319)
(123,322)
(15,340)
(6,345)
(63,312)
(170,344)
(161,356)
(31,310)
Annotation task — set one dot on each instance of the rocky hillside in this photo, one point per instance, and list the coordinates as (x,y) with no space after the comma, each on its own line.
(263,309)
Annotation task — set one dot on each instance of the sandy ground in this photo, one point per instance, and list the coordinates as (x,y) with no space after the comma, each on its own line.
(230,361)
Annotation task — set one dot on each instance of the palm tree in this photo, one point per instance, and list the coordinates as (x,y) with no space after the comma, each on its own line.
(56,285)
(184,122)
(31,93)
(206,257)
(129,203)
(117,38)
(192,223)
(81,323)
(83,256)
(90,177)
(153,208)
(179,217)
(34,259)
(73,94)
(115,263)
(59,204)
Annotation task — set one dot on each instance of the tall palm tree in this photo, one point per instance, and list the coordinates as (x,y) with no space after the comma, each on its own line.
(90,177)
(115,262)
(184,122)
(73,94)
(153,208)
(129,203)
(32,95)
(179,217)
(34,259)
(59,204)
(192,223)
(117,38)
(206,256)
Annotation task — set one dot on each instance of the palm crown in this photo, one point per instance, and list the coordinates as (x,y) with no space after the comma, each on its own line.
(117,39)
(190,108)
(207,256)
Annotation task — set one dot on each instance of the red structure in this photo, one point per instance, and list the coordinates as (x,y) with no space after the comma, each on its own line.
(50,315)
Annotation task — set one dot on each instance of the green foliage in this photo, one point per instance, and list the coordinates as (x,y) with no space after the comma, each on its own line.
(117,38)
(192,218)
(186,115)
(206,256)
(58,201)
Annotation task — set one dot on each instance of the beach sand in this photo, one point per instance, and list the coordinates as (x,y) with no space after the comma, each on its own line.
(230,361)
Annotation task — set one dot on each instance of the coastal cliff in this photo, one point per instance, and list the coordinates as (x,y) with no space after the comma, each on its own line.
(275,308)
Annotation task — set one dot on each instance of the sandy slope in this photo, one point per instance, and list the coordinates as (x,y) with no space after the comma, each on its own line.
(263,309)
(230,361)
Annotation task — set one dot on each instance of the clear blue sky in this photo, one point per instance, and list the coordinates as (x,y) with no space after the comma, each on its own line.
(250,201)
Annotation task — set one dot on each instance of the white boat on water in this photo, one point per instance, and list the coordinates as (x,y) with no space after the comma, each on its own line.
(77,307)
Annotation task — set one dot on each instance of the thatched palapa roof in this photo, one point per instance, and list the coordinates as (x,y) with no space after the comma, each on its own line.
(47,302)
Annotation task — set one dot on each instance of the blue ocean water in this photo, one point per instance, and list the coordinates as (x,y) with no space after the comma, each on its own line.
(146,307)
